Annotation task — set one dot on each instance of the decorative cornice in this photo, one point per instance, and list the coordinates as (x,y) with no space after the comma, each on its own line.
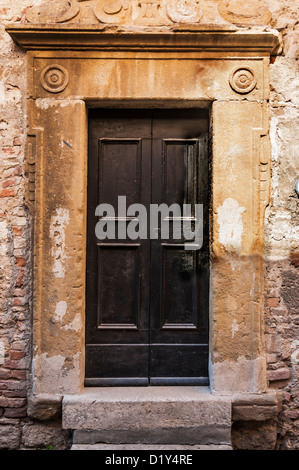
(178,38)
(150,12)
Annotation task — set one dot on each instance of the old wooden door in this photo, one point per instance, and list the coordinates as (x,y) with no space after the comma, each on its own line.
(147,298)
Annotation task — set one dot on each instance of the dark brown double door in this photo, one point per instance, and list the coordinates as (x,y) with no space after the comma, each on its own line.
(147,299)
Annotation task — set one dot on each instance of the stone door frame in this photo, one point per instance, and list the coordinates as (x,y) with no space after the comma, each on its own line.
(73,68)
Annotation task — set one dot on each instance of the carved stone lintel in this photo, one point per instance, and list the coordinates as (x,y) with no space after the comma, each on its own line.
(149,12)
(55,11)
(249,12)
(184,11)
(146,12)
(112,12)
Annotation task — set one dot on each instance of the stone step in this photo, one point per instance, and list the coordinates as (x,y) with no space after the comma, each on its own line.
(148,415)
(147,447)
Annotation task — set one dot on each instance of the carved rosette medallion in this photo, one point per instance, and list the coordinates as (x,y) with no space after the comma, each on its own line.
(243,80)
(54,78)
(184,11)
(113,11)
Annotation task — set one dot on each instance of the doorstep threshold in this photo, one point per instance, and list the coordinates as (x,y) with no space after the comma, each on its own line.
(162,414)
(140,394)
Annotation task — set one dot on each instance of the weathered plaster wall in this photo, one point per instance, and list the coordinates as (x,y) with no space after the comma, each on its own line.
(282,239)
(282,232)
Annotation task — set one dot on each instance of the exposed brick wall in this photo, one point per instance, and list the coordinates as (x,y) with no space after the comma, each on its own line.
(14,235)
(282,340)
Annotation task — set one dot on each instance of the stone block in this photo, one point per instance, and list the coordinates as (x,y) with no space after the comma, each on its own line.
(254,435)
(44,407)
(147,447)
(279,374)
(177,415)
(41,436)
(261,407)
(10,436)
(254,413)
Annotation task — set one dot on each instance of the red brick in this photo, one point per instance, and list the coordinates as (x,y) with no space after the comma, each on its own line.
(295,259)
(273,302)
(7,193)
(15,394)
(15,412)
(279,374)
(19,345)
(15,402)
(19,301)
(19,374)
(21,326)
(20,261)
(9,150)
(17,231)
(271,343)
(15,355)
(12,385)
(19,365)
(291,414)
(20,278)
(3,402)
(286,397)
(17,171)
(17,141)
(9,183)
(4,374)
(279,312)
(19,293)
(19,309)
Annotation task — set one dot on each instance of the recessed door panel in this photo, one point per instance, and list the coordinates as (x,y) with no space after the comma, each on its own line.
(119,170)
(118,286)
(179,293)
